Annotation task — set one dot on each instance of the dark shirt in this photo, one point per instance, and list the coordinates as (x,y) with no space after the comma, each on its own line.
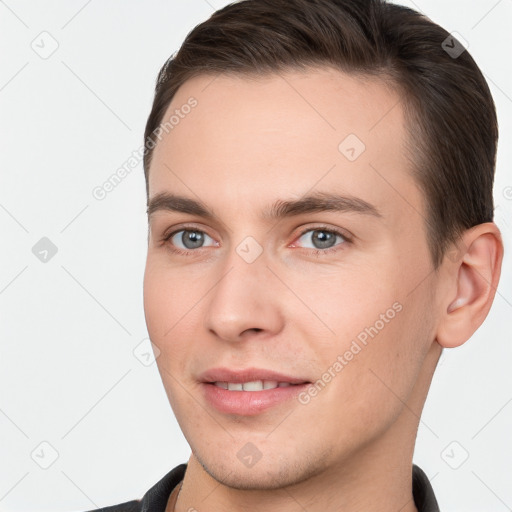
(155,500)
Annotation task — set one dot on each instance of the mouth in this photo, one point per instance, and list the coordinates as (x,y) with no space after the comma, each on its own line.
(254,385)
(249,391)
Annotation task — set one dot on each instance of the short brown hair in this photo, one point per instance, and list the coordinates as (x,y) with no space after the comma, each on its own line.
(451,115)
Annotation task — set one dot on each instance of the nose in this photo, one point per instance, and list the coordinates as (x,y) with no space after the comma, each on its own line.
(244,301)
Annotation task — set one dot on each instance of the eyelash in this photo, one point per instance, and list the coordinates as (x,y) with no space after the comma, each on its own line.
(316,252)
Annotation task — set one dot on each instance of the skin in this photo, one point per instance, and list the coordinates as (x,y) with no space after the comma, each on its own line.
(248,143)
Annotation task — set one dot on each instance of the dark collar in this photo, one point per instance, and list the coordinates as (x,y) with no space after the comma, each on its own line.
(424,497)
(155,500)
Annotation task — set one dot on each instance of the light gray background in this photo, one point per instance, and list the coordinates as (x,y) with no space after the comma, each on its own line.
(69,377)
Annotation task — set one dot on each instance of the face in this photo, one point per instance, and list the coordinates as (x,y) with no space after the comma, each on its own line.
(328,294)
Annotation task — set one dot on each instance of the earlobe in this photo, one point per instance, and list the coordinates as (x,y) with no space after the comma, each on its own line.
(477,273)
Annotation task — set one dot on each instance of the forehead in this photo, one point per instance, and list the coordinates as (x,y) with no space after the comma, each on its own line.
(282,135)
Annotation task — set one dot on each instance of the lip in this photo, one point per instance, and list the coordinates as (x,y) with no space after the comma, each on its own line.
(247,375)
(248,403)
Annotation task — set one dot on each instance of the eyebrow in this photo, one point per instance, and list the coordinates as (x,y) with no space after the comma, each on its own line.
(316,202)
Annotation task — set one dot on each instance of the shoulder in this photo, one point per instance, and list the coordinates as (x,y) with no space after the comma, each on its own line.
(155,499)
(128,506)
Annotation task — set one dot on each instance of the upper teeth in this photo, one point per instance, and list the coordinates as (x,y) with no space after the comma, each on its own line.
(255,385)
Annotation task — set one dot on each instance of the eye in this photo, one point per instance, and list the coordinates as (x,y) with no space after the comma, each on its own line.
(186,240)
(324,239)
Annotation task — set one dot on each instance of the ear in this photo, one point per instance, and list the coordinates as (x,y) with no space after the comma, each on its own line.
(474,267)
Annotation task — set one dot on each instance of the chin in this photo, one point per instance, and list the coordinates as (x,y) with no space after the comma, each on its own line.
(269,474)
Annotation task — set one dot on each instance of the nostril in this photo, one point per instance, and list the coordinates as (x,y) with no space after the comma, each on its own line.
(255,329)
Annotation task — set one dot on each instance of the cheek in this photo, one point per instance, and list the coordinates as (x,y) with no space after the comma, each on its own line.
(170,292)
(343,304)
(368,394)
(377,339)
(170,318)
(157,297)
(383,374)
(168,308)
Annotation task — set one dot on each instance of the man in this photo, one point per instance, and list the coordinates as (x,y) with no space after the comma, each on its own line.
(319,178)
